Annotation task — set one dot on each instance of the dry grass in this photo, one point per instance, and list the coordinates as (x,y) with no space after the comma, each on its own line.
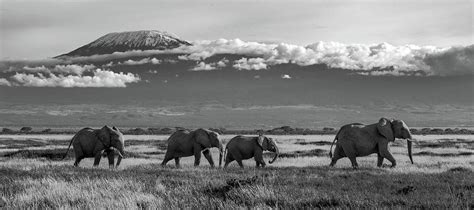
(301,180)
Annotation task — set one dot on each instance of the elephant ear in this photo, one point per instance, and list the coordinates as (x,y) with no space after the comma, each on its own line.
(385,129)
(104,136)
(260,140)
(202,137)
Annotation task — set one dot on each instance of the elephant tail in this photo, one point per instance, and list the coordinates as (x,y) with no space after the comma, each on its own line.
(330,149)
(225,155)
(69,147)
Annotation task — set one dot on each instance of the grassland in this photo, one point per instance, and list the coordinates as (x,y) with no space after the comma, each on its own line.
(32,175)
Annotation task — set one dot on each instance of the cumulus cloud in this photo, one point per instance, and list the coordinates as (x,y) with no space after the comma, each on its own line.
(201,66)
(404,59)
(285,76)
(250,64)
(100,78)
(141,62)
(4,82)
(61,69)
(454,61)
(361,57)
(222,63)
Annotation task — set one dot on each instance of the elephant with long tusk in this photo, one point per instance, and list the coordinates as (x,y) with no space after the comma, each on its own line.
(357,140)
(241,148)
(185,143)
(90,142)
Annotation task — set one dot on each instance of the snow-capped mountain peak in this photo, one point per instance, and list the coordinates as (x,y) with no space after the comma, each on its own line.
(130,40)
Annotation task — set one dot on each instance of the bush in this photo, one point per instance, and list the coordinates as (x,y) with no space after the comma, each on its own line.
(7,130)
(47,130)
(26,129)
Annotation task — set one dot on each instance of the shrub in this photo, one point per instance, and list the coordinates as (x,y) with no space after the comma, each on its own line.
(26,129)
(7,130)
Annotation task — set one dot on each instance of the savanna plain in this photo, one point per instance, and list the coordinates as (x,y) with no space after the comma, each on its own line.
(33,175)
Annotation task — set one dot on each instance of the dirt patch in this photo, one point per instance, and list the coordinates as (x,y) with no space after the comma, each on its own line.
(135,142)
(318,143)
(428,153)
(305,153)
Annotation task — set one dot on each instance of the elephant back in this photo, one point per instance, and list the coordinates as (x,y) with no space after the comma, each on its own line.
(179,134)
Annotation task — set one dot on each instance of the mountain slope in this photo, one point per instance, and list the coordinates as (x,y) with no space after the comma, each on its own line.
(126,41)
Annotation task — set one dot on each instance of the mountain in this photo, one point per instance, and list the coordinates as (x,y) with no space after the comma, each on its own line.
(126,41)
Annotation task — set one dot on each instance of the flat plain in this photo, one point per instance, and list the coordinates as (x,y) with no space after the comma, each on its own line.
(33,175)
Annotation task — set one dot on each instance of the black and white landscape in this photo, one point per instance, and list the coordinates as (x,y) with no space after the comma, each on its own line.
(295,71)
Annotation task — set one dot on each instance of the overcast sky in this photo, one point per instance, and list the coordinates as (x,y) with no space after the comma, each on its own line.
(34,29)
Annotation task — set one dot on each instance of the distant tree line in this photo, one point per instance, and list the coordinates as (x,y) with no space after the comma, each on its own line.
(284,130)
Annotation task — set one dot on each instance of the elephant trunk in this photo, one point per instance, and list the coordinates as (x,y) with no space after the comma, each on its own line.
(121,153)
(221,153)
(277,152)
(409,144)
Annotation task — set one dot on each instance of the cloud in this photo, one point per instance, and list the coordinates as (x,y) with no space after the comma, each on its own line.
(222,63)
(250,64)
(4,82)
(285,76)
(100,78)
(403,59)
(454,61)
(361,57)
(201,66)
(61,69)
(141,62)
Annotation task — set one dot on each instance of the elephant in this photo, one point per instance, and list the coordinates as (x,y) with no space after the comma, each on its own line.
(90,142)
(357,140)
(241,148)
(185,143)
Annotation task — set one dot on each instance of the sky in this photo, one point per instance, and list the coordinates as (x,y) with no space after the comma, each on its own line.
(37,29)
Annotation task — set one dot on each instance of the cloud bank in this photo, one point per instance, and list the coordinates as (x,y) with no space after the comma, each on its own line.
(68,76)
(100,78)
(364,59)
(406,59)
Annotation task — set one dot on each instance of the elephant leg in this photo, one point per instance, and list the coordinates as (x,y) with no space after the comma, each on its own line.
(111,157)
(97,158)
(258,156)
(379,160)
(338,154)
(228,159)
(119,160)
(197,156)
(78,160)
(208,156)
(176,161)
(351,154)
(383,150)
(240,163)
(167,158)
